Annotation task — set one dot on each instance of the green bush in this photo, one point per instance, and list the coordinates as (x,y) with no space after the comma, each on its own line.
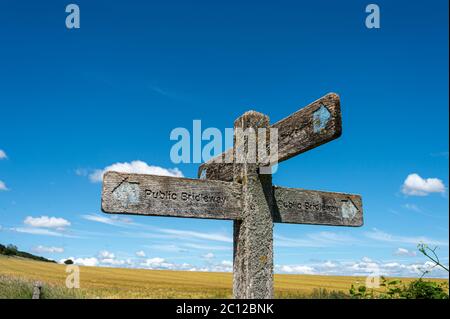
(420,289)
(395,289)
(417,289)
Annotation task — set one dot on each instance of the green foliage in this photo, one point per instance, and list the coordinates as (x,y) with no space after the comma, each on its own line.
(68,261)
(420,289)
(430,253)
(417,289)
(12,250)
(396,289)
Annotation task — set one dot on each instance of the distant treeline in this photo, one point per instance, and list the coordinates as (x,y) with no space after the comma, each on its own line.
(12,250)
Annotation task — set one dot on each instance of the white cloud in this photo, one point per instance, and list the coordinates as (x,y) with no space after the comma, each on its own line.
(157,263)
(318,239)
(380,235)
(113,220)
(104,254)
(161,263)
(46,222)
(207,247)
(208,256)
(92,261)
(295,269)
(415,185)
(51,250)
(140,253)
(363,267)
(167,248)
(41,231)
(138,167)
(81,172)
(3,155)
(112,262)
(3,186)
(412,207)
(109,259)
(155,260)
(405,252)
(329,264)
(187,234)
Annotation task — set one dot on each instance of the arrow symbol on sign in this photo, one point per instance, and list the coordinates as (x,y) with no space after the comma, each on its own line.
(320,119)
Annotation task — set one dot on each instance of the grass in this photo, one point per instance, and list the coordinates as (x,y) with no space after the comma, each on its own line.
(19,288)
(18,274)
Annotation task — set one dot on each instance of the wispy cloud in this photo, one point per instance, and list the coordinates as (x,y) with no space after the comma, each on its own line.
(3,155)
(440,154)
(187,234)
(412,207)
(165,92)
(140,253)
(41,231)
(114,220)
(3,186)
(49,250)
(380,235)
(207,247)
(170,248)
(405,252)
(158,90)
(319,239)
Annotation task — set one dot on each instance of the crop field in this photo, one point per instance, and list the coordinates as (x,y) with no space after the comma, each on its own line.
(18,274)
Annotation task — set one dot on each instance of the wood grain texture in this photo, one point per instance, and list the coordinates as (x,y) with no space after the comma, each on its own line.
(170,196)
(300,206)
(316,124)
(253,235)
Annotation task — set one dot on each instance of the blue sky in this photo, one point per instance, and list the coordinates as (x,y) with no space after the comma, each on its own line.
(73,102)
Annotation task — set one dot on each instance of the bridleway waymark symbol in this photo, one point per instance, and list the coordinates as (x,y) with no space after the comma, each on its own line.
(237,185)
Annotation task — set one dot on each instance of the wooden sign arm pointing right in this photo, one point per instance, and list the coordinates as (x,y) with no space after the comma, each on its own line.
(314,125)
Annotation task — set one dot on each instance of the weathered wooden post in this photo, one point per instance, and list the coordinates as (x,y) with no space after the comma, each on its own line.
(253,233)
(234,188)
(37,287)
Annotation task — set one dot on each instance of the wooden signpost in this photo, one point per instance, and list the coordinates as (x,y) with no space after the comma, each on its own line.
(235,189)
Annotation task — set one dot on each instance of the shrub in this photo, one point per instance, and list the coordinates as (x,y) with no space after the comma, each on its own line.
(417,289)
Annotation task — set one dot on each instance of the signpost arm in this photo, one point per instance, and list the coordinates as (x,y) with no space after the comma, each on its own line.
(253,234)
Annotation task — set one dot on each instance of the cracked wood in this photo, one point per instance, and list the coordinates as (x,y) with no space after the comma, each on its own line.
(300,206)
(170,196)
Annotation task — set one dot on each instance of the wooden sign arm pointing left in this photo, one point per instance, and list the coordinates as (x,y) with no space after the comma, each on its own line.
(141,194)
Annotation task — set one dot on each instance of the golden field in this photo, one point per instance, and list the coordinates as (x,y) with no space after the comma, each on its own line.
(102,282)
